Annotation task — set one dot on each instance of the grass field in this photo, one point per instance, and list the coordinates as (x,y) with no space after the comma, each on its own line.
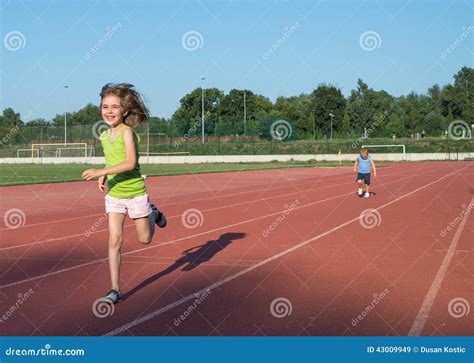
(242,146)
(15,174)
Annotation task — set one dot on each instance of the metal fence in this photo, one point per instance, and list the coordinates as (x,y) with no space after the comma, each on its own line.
(157,143)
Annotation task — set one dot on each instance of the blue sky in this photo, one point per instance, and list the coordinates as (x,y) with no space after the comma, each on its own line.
(312,42)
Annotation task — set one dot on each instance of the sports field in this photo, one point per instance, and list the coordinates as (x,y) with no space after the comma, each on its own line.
(267,252)
(16,174)
(237,181)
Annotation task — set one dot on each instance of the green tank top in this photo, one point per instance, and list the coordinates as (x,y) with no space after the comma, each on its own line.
(125,185)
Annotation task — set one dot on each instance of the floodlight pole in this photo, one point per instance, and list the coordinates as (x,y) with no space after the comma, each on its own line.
(331,115)
(245,114)
(65,113)
(202,109)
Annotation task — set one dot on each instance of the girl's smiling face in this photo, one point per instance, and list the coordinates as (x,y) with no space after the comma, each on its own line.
(112,112)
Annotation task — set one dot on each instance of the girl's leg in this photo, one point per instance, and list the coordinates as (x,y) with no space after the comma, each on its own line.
(115,244)
(145,228)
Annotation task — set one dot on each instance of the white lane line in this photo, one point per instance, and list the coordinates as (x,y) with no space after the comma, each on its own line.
(175,216)
(303,182)
(169,217)
(169,242)
(170,204)
(329,178)
(423,313)
(196,294)
(174,241)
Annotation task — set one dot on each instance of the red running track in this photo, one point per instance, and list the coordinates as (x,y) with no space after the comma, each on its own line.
(280,252)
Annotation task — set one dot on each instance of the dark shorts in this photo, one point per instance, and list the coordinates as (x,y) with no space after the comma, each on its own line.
(365,177)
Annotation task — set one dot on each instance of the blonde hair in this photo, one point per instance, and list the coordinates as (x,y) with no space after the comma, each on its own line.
(135,111)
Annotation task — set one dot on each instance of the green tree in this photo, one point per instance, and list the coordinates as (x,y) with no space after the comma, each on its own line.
(295,110)
(434,94)
(346,122)
(463,91)
(58,120)
(231,111)
(395,126)
(434,124)
(189,114)
(273,125)
(37,122)
(159,126)
(368,109)
(326,100)
(10,118)
(450,117)
(87,115)
(411,119)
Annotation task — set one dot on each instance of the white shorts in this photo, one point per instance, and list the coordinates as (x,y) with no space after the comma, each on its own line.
(137,207)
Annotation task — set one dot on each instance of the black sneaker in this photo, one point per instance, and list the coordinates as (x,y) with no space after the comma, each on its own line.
(114,296)
(160,218)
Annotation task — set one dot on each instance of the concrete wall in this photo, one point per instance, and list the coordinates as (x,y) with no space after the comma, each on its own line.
(196,159)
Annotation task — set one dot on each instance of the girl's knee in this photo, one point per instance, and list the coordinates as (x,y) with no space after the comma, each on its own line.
(145,238)
(115,241)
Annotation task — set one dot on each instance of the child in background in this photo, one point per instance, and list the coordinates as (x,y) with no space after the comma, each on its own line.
(362,166)
(122,108)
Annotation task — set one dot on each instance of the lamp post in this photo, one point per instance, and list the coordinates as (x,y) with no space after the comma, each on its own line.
(65,113)
(245,114)
(202,110)
(331,115)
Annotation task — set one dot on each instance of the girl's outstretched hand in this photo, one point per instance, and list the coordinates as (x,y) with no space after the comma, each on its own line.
(92,173)
(102,180)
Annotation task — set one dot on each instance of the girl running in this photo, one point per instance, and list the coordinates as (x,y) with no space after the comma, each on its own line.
(122,109)
(362,166)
